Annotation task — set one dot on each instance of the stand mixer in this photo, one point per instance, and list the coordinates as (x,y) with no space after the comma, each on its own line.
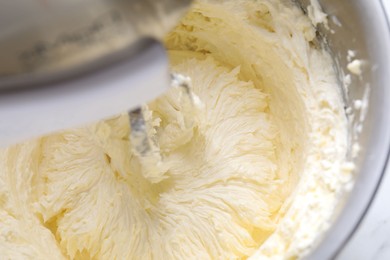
(64,64)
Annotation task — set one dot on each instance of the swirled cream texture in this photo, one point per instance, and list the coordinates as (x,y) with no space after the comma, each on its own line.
(257,175)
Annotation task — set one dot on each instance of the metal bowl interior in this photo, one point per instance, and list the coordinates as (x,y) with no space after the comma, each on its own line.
(360,26)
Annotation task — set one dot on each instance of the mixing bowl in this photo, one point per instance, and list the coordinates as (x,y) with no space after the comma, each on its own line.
(359,28)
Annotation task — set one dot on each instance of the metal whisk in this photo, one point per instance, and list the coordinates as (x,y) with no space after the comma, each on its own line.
(145,145)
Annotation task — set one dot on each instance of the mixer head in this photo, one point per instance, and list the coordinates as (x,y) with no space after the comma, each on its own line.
(68,63)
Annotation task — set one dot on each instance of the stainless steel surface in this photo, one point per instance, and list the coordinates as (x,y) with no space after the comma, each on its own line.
(141,140)
(45,40)
(364,29)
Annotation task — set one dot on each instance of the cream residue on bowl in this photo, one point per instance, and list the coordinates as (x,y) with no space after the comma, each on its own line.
(257,175)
